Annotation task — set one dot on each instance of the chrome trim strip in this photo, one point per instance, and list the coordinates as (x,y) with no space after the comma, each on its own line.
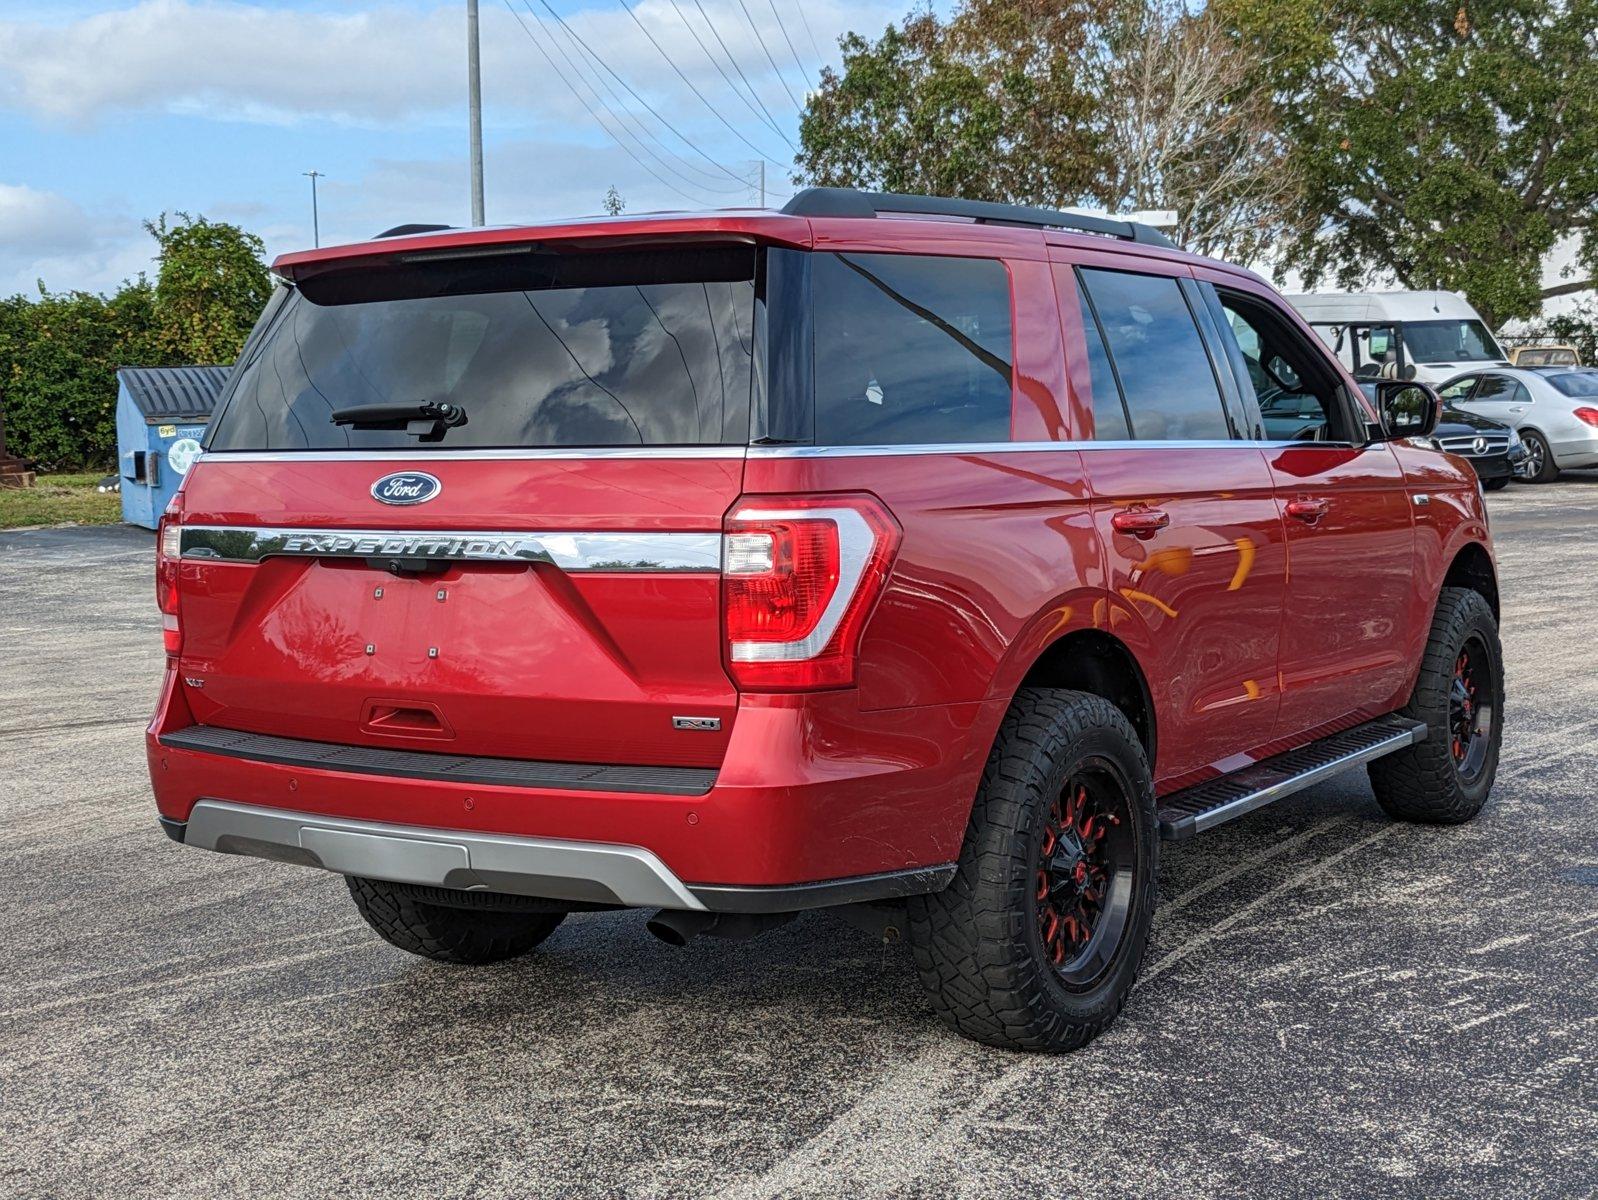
(1247,804)
(419,458)
(981,448)
(855,541)
(550,867)
(568,551)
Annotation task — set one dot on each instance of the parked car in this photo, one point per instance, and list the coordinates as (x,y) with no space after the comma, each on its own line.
(729,565)
(1554,409)
(1544,356)
(1492,448)
(1428,336)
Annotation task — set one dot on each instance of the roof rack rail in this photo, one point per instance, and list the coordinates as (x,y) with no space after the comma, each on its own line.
(850,202)
(409,230)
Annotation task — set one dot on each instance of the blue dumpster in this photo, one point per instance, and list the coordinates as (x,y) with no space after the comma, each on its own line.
(161,417)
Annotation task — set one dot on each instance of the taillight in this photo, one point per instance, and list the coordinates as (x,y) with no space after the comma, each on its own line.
(169,548)
(800,576)
(1588,415)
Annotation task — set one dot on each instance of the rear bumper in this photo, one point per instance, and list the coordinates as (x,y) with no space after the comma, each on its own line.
(815,803)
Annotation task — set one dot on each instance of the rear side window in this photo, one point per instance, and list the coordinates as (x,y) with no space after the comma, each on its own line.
(642,348)
(910,349)
(1165,373)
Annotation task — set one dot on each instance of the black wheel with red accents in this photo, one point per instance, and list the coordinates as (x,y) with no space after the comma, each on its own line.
(1459,694)
(1037,941)
(1087,864)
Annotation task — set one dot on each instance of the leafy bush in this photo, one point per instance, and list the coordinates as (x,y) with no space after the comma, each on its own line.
(59,351)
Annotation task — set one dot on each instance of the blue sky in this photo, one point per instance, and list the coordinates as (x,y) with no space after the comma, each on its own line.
(114,112)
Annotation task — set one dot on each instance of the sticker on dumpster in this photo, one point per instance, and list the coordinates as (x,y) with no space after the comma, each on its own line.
(182,455)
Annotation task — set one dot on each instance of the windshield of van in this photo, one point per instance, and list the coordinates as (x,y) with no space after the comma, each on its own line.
(1449,341)
(521,349)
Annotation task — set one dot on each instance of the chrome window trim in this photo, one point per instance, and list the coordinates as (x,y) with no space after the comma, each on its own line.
(855,541)
(1030,447)
(575,551)
(417,458)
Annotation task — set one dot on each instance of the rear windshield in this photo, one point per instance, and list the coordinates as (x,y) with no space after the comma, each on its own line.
(641,348)
(1576,383)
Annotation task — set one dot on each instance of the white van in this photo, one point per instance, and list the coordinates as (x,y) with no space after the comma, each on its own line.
(1429,336)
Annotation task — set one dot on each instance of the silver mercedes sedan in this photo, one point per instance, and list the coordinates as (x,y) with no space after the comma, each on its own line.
(1554,409)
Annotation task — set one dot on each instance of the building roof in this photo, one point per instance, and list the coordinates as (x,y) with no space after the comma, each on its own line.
(173,393)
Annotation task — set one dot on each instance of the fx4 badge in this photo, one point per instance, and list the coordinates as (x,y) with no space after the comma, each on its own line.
(406,487)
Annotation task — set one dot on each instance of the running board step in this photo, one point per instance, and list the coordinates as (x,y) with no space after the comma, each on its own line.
(1216,801)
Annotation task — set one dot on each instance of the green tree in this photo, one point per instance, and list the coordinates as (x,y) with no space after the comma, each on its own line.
(614,204)
(1114,104)
(211,287)
(991,105)
(59,351)
(1447,145)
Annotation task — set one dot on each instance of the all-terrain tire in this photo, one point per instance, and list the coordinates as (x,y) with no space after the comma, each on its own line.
(977,944)
(472,928)
(1424,782)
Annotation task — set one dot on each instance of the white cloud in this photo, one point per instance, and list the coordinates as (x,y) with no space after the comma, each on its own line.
(44,235)
(385,65)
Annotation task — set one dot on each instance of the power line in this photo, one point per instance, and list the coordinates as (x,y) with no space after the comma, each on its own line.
(592,53)
(716,112)
(696,200)
(776,70)
(803,74)
(769,120)
(809,33)
(733,59)
(621,114)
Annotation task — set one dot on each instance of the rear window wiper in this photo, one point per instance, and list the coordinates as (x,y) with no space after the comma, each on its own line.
(426,421)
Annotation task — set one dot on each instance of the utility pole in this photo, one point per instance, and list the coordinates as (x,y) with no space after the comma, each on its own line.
(316,222)
(762,165)
(474,78)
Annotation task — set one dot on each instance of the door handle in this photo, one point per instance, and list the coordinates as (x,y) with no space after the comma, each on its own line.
(1140,522)
(1307,510)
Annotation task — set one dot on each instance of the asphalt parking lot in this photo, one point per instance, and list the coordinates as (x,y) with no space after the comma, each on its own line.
(1334,1005)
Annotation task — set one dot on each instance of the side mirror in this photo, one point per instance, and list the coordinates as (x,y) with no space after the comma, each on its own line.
(1408,409)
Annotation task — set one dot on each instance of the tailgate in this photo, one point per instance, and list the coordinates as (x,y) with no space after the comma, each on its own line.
(536,606)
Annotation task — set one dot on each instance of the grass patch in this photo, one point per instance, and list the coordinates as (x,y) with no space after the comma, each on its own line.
(59,500)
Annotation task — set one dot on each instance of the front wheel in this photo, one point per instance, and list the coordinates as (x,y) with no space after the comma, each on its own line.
(1496,485)
(1459,694)
(1540,465)
(1037,941)
(452,926)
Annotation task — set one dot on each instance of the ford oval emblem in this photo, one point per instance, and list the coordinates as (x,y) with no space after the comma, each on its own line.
(406,487)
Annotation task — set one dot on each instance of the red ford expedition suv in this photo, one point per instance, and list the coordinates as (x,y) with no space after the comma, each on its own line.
(925,559)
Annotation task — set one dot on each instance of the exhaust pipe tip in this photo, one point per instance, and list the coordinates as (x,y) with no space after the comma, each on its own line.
(675,926)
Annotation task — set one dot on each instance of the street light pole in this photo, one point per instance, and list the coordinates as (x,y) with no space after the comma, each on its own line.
(474,86)
(316,223)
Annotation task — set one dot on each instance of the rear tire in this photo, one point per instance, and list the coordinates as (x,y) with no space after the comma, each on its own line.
(1544,469)
(1065,808)
(1496,485)
(1459,694)
(468,928)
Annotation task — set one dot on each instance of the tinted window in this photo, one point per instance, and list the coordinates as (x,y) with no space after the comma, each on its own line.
(1458,390)
(645,348)
(1165,373)
(1577,383)
(910,349)
(1449,341)
(1495,387)
(1109,414)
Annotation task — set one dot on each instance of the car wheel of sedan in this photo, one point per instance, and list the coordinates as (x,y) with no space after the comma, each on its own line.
(1496,485)
(1540,465)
